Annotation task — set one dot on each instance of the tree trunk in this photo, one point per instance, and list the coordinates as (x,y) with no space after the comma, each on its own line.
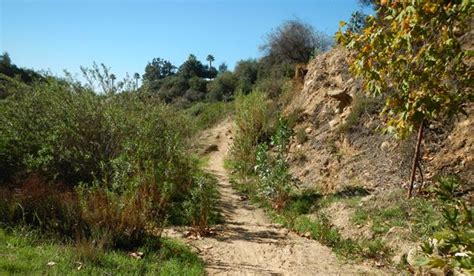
(415,157)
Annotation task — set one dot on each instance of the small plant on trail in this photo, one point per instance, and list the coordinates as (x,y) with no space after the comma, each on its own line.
(274,179)
(200,207)
(452,248)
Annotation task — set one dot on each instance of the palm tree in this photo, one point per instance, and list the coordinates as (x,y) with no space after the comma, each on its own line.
(112,77)
(210,58)
(136,76)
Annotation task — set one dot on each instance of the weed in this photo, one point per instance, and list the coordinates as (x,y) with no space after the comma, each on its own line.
(301,136)
(360,104)
(451,248)
(295,117)
(200,208)
(299,155)
(418,214)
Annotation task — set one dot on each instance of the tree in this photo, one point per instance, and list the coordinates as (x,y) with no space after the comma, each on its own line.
(172,88)
(222,68)
(294,42)
(223,87)
(211,72)
(158,69)
(11,70)
(412,52)
(357,22)
(5,59)
(210,58)
(192,67)
(136,76)
(246,71)
(112,78)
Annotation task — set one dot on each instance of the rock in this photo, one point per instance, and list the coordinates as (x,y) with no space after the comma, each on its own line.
(342,96)
(399,259)
(349,82)
(136,255)
(412,257)
(385,145)
(333,123)
(308,130)
(336,93)
(305,173)
(367,198)
(211,148)
(338,79)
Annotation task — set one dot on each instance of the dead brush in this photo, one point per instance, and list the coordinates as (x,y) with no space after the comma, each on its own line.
(121,221)
(50,207)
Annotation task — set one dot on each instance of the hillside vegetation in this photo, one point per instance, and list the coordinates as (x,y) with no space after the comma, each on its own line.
(364,147)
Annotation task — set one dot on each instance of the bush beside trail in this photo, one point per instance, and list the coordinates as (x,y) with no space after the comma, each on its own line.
(106,168)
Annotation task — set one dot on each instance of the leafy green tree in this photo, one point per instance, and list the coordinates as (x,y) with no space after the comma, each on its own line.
(246,71)
(211,72)
(158,69)
(192,67)
(413,53)
(222,68)
(223,87)
(357,22)
(11,70)
(172,88)
(5,60)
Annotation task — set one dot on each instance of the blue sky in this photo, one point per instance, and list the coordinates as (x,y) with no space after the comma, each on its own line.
(126,34)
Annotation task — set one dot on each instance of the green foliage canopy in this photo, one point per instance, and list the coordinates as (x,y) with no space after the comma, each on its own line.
(413,52)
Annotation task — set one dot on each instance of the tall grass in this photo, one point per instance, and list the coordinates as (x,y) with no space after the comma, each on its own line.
(255,117)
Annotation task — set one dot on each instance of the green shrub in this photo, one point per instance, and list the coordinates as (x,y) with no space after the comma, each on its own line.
(360,104)
(204,115)
(254,121)
(200,207)
(274,179)
(452,248)
(121,161)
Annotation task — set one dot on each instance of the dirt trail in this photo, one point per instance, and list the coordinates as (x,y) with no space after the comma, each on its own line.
(247,243)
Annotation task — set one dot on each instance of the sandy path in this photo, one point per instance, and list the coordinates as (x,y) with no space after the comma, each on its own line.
(247,243)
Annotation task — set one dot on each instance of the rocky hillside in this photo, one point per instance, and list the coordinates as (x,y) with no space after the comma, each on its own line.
(339,149)
(339,143)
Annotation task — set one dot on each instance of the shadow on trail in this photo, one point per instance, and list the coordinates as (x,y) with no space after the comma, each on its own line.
(235,232)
